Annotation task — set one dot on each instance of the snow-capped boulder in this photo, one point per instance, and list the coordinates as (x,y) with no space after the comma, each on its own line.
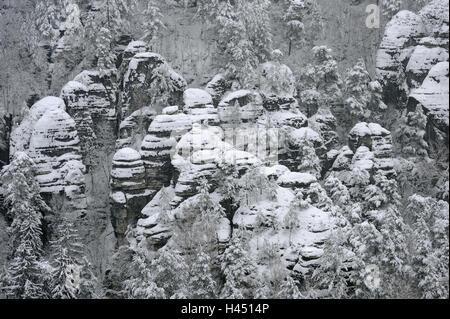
(412,45)
(343,159)
(139,77)
(133,48)
(199,154)
(152,227)
(196,98)
(292,119)
(102,89)
(367,134)
(20,136)
(436,18)
(54,142)
(379,141)
(199,105)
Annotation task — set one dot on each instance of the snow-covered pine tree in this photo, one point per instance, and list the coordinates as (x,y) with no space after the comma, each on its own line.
(209,214)
(294,19)
(170,272)
(391,7)
(289,289)
(201,284)
(291,220)
(48,16)
(90,287)
(304,22)
(67,251)
(152,21)
(322,76)
(339,267)
(430,229)
(410,133)
(357,93)
(239,271)
(244,36)
(24,205)
(140,282)
(337,191)
(309,162)
(161,85)
(105,54)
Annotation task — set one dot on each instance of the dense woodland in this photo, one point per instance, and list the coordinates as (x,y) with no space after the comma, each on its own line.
(224,149)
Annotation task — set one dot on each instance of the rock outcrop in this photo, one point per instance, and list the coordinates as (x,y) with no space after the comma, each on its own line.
(129,193)
(75,96)
(433,96)
(55,148)
(401,35)
(299,247)
(412,62)
(369,150)
(157,146)
(20,135)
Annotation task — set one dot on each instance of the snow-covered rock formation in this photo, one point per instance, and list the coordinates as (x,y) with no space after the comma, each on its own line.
(412,62)
(20,136)
(129,192)
(55,148)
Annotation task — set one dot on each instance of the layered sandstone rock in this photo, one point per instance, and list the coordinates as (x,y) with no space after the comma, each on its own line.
(412,45)
(158,144)
(55,148)
(433,96)
(401,35)
(129,193)
(20,136)
(75,95)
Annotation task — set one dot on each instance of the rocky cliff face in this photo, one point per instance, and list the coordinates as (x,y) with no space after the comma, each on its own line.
(412,62)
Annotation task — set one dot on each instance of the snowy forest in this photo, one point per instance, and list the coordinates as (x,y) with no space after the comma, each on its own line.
(224,149)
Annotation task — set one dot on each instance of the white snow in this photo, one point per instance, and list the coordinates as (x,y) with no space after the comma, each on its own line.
(127,154)
(373,129)
(296,178)
(196,97)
